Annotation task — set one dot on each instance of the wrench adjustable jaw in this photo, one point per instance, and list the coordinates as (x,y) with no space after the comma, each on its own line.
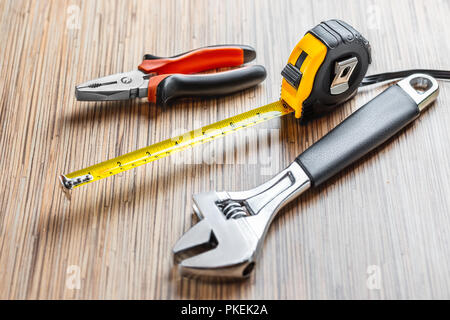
(233,225)
(215,246)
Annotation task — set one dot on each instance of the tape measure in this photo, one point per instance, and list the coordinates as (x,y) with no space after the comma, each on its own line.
(324,70)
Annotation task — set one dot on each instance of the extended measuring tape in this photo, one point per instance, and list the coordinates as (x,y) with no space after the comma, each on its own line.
(325,69)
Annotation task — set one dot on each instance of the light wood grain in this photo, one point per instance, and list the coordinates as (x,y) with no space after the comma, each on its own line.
(390,210)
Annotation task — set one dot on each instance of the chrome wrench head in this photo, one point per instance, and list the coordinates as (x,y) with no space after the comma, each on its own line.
(215,246)
(228,238)
(119,86)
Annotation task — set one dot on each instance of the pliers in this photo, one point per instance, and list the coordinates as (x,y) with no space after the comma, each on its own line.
(162,80)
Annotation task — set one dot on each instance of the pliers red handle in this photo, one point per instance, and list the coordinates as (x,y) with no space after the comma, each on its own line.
(162,80)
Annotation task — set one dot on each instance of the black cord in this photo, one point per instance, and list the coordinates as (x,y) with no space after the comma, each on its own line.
(381,77)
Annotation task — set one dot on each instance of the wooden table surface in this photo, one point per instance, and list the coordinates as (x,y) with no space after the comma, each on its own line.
(379,230)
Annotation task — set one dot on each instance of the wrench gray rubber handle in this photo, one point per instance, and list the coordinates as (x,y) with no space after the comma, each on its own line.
(364,130)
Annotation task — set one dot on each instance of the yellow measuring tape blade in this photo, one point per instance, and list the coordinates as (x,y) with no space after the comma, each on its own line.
(164,148)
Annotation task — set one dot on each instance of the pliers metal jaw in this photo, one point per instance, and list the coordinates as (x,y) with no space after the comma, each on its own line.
(228,238)
(119,86)
(163,80)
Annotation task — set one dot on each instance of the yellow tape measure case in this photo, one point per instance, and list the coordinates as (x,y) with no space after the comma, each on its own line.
(325,69)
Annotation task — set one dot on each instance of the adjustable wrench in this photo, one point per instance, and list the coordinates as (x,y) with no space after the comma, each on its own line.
(226,241)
